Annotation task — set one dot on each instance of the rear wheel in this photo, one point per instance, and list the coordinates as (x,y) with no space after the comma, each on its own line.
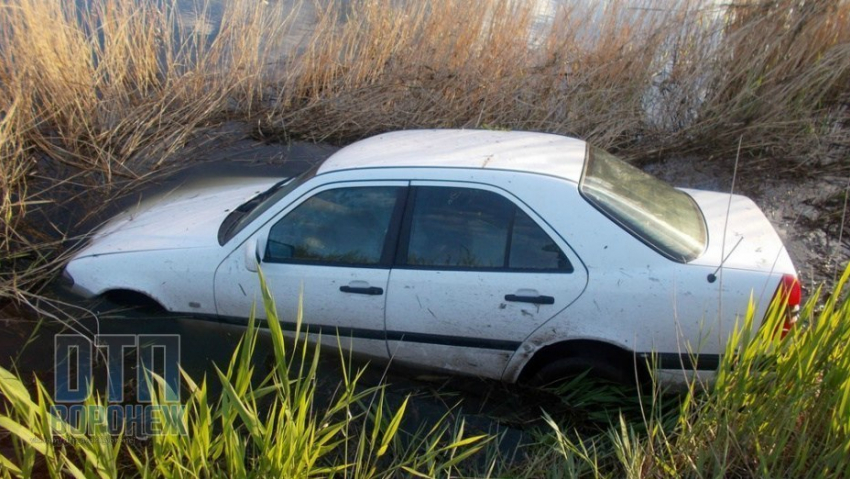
(565,369)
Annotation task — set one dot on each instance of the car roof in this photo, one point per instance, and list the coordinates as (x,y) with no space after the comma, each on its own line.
(531,152)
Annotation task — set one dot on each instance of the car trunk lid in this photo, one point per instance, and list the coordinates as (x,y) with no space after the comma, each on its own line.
(739,235)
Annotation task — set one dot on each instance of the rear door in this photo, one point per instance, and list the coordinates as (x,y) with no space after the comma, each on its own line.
(476,272)
(332,250)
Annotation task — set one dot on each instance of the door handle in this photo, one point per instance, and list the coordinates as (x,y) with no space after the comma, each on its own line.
(540,299)
(370,290)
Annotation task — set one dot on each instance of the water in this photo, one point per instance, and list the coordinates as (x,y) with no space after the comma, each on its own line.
(203,17)
(486,407)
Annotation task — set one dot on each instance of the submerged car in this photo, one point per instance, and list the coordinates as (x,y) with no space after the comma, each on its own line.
(510,255)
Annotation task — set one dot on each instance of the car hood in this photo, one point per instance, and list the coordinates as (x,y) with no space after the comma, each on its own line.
(187,216)
(750,241)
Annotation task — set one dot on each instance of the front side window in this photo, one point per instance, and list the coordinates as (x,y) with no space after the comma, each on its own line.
(465,228)
(663,217)
(345,226)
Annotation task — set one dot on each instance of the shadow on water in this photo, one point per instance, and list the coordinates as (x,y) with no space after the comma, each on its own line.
(74,208)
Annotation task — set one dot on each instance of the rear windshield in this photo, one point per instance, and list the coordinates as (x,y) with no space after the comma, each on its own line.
(658,214)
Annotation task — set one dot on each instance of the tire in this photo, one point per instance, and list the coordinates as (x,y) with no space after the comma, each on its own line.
(565,369)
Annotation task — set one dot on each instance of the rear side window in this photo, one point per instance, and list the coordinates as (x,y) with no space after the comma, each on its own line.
(466,228)
(532,248)
(345,226)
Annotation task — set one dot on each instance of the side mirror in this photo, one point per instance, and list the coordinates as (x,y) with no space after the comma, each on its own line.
(252,255)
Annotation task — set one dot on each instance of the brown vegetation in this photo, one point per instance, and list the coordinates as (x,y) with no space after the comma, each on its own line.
(108,95)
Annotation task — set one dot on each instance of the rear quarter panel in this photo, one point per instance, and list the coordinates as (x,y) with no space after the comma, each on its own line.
(636,298)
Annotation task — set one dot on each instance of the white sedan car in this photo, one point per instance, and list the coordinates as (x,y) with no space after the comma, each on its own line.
(510,255)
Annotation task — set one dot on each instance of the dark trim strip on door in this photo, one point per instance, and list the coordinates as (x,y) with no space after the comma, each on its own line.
(678,361)
(458,341)
(362,333)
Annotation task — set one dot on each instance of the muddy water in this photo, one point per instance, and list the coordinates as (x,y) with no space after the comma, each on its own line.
(485,406)
(510,413)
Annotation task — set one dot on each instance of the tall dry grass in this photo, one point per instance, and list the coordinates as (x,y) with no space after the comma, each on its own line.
(97,98)
(466,64)
(103,96)
(779,78)
(647,77)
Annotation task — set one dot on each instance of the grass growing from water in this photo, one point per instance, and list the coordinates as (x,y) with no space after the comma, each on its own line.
(779,408)
(272,426)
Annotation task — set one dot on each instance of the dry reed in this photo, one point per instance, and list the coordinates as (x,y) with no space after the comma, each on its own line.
(109,94)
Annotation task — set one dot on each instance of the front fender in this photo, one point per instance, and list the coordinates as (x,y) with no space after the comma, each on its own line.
(179,280)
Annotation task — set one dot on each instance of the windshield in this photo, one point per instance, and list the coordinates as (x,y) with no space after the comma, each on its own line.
(658,214)
(247,212)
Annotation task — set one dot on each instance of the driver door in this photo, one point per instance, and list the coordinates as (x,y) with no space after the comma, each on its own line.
(333,251)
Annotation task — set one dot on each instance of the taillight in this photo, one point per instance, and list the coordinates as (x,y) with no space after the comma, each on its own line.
(790,293)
